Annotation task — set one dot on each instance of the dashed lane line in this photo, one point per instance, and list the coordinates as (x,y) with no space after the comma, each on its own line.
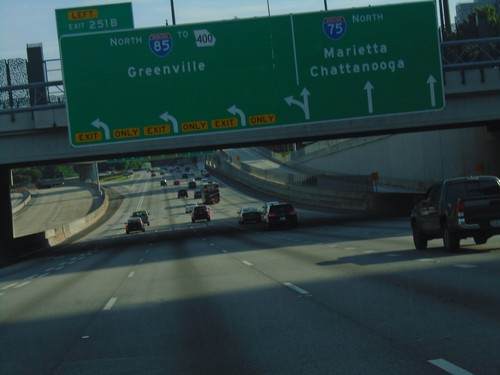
(449,367)
(110,304)
(295,288)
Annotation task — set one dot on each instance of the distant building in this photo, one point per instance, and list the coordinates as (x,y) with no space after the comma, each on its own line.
(464,9)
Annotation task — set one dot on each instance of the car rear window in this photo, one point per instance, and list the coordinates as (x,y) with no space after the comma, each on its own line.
(472,189)
(280,208)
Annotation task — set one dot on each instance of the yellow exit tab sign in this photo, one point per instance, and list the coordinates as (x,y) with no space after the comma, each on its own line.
(126,133)
(222,123)
(83,14)
(262,119)
(156,130)
(193,126)
(88,137)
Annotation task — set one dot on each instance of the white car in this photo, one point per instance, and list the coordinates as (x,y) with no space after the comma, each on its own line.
(190,207)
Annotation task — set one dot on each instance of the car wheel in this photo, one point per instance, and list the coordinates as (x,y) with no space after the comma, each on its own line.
(480,240)
(127,232)
(450,240)
(419,240)
(192,220)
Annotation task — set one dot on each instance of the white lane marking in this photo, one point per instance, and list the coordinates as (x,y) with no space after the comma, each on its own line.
(225,251)
(22,284)
(449,367)
(131,274)
(43,275)
(9,286)
(246,263)
(297,289)
(141,260)
(49,269)
(110,304)
(465,266)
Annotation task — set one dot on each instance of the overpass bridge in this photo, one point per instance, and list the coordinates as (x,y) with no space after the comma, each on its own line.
(38,133)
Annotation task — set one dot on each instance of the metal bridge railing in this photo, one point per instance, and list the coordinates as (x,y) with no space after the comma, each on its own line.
(470,53)
(456,55)
(24,98)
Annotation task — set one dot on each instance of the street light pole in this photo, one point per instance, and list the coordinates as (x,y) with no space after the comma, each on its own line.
(326,6)
(268,9)
(173,11)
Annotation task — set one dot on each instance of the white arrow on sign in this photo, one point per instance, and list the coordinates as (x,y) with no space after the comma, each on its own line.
(236,111)
(431,81)
(369,87)
(166,117)
(101,125)
(304,105)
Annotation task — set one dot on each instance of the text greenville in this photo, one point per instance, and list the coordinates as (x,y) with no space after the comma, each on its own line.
(162,70)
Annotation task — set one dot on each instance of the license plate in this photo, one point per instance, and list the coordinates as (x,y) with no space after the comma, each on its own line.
(282,218)
(495,223)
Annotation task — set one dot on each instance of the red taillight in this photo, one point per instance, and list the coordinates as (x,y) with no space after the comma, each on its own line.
(271,214)
(460,209)
(292,212)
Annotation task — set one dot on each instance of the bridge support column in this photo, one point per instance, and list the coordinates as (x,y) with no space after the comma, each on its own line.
(88,171)
(6,226)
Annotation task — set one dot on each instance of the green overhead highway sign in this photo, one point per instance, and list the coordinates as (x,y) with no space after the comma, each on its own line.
(94,19)
(242,75)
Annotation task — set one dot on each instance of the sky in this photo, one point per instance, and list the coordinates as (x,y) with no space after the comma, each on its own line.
(25,22)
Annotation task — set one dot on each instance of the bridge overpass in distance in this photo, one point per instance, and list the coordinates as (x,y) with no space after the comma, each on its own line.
(471,85)
(40,135)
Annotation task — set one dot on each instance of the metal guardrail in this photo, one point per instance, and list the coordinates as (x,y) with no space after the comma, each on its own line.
(456,55)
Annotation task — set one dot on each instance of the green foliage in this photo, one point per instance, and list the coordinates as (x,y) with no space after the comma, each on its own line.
(31,175)
(26,176)
(481,23)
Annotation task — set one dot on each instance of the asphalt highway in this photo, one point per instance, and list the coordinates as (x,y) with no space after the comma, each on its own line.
(54,207)
(341,294)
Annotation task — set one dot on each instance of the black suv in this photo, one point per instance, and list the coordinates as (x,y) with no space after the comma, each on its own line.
(134,224)
(144,215)
(279,214)
(182,193)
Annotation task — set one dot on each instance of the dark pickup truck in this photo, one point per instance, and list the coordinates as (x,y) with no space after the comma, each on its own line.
(456,209)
